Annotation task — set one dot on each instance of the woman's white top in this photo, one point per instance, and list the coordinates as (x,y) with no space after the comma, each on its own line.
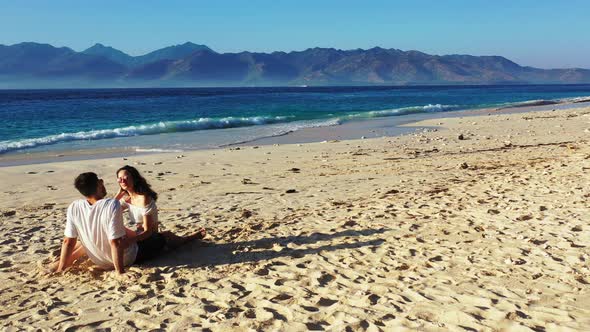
(136,213)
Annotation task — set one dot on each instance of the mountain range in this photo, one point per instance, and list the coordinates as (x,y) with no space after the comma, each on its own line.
(35,65)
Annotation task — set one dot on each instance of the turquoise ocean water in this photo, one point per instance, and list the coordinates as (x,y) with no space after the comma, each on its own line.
(192,118)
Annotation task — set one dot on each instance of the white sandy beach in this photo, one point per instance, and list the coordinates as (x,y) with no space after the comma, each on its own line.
(423,232)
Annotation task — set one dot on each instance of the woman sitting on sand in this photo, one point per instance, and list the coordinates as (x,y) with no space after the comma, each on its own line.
(138,198)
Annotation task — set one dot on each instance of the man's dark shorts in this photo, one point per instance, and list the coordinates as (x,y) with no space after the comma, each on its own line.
(150,248)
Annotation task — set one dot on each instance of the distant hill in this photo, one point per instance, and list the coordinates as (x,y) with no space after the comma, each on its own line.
(33,65)
(33,61)
(110,53)
(175,52)
(168,53)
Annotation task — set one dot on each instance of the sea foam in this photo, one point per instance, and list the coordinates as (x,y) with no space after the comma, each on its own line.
(430,108)
(138,130)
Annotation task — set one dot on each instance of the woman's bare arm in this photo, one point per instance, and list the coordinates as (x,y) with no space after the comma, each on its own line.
(149,228)
(120,194)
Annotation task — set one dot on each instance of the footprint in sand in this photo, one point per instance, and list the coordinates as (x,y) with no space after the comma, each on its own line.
(374,299)
(281,297)
(325,279)
(210,308)
(5,264)
(276,314)
(325,302)
(316,326)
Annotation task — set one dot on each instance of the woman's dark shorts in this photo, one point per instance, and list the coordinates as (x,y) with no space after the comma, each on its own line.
(150,248)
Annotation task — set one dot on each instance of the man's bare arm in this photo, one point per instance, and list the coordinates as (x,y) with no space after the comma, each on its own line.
(67,248)
(117,248)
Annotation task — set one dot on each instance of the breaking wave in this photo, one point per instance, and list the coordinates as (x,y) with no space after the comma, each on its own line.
(430,108)
(138,130)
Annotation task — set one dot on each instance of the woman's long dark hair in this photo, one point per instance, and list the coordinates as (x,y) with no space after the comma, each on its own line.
(140,184)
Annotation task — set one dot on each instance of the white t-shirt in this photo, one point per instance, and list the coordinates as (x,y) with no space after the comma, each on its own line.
(95,225)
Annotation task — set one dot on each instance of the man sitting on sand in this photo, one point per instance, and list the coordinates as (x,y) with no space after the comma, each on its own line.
(98,223)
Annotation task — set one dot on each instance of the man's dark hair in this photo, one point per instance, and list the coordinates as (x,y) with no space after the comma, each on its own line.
(86,183)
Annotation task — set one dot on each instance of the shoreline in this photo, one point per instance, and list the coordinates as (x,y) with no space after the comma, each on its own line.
(394,125)
(368,128)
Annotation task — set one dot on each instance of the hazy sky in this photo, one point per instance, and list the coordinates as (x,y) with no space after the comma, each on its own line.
(541,33)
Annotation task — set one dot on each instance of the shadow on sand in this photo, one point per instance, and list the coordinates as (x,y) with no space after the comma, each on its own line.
(196,255)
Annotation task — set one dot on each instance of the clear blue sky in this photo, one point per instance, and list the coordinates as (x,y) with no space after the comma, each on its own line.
(541,33)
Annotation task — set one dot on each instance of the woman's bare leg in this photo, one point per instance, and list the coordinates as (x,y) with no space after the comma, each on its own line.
(174,241)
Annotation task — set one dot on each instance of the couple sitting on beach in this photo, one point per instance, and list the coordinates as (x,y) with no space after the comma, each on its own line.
(97,222)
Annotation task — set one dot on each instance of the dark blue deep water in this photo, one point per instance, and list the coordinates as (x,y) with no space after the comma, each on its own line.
(50,118)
